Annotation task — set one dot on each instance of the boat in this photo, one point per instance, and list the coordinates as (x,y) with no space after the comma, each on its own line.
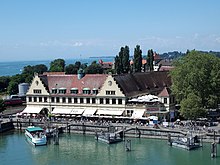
(109,138)
(35,135)
(188,143)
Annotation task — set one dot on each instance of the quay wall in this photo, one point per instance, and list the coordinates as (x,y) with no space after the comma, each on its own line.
(128,131)
(6,126)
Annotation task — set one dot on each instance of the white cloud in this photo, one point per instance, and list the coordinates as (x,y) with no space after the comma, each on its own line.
(181,43)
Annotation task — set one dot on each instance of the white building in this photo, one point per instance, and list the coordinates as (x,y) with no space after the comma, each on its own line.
(100,94)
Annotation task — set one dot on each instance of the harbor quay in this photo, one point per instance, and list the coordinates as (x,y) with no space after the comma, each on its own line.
(125,128)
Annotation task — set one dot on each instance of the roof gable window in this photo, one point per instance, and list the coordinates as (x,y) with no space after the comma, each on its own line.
(86,91)
(54,90)
(74,90)
(95,91)
(62,90)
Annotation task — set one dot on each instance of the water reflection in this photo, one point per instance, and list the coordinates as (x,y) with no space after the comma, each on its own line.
(81,150)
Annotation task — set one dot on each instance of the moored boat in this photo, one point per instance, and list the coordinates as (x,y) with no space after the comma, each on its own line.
(109,138)
(187,143)
(36,135)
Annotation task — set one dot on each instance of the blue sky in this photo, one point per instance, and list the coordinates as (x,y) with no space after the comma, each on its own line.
(50,29)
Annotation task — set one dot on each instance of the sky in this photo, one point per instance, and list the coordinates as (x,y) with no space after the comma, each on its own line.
(51,29)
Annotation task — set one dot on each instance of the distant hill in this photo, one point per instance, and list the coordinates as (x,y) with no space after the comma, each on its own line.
(172,55)
(168,55)
(176,54)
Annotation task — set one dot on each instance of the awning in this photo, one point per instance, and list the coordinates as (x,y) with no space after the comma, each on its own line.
(77,111)
(109,112)
(61,111)
(32,109)
(89,112)
(138,114)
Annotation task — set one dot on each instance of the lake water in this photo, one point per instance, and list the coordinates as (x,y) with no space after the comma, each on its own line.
(13,68)
(85,150)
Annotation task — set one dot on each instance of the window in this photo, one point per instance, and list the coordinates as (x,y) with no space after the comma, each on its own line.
(62,90)
(165,100)
(81,100)
(86,91)
(37,91)
(93,101)
(40,99)
(69,100)
(63,99)
(119,101)
(57,99)
(74,91)
(110,92)
(45,99)
(101,100)
(107,101)
(52,99)
(113,101)
(35,99)
(95,91)
(30,99)
(54,90)
(88,100)
(75,100)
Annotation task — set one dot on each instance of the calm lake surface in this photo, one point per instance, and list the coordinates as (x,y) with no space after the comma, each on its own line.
(81,150)
(16,67)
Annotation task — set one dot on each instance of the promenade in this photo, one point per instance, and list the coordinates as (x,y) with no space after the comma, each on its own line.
(94,124)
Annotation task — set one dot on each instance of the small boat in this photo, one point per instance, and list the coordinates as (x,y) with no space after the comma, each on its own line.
(188,143)
(109,138)
(36,135)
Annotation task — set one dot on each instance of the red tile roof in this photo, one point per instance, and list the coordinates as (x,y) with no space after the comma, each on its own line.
(165,92)
(71,81)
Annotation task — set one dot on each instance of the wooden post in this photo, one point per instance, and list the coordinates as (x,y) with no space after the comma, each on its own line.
(17,123)
(128,145)
(169,140)
(213,150)
(84,129)
(69,128)
(20,125)
(56,136)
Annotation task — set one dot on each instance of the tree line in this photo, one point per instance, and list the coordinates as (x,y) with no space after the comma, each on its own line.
(9,84)
(123,64)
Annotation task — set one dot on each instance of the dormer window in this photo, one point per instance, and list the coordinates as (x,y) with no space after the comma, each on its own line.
(95,91)
(62,90)
(74,90)
(86,91)
(54,90)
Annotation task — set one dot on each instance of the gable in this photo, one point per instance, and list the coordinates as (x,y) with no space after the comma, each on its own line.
(37,84)
(110,85)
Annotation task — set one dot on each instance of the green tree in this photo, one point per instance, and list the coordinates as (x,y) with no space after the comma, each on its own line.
(4,82)
(122,62)
(13,84)
(94,68)
(117,65)
(57,65)
(150,60)
(197,73)
(125,60)
(137,63)
(2,107)
(28,71)
(191,107)
(72,68)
